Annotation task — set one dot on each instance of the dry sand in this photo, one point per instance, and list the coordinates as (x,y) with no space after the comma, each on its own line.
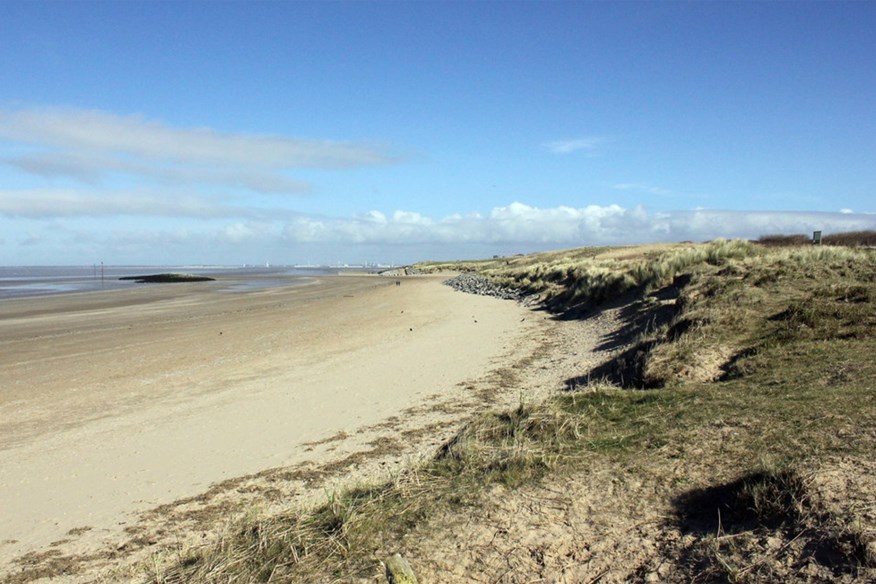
(112,404)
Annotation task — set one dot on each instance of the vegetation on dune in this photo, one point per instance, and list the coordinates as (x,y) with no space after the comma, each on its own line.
(751,361)
(590,276)
(846,239)
(518,261)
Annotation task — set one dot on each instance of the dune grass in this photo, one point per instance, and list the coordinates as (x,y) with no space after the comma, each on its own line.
(775,344)
(845,239)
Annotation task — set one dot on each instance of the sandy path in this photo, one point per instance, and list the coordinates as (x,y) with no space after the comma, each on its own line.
(111,404)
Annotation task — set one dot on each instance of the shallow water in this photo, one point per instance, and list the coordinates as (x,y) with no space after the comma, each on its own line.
(29,281)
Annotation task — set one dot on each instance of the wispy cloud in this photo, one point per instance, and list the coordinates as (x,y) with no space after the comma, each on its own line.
(90,145)
(70,203)
(587,144)
(91,169)
(99,131)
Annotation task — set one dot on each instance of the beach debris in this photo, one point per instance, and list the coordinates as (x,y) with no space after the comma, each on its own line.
(399,571)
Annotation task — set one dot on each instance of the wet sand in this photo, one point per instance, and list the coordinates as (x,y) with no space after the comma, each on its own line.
(114,403)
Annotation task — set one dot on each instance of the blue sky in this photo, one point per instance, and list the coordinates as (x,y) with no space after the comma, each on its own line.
(291,132)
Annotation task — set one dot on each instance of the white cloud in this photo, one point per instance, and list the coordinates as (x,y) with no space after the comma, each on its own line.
(374,217)
(521,224)
(90,145)
(588,144)
(99,131)
(226,234)
(410,218)
(516,223)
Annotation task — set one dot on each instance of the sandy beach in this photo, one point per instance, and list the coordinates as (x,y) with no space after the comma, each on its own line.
(113,404)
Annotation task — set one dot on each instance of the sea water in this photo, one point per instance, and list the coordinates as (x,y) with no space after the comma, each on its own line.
(26,281)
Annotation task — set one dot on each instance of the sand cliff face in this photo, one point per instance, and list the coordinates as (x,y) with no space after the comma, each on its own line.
(114,404)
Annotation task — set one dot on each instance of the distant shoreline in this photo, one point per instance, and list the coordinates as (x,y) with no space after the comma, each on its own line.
(41,281)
